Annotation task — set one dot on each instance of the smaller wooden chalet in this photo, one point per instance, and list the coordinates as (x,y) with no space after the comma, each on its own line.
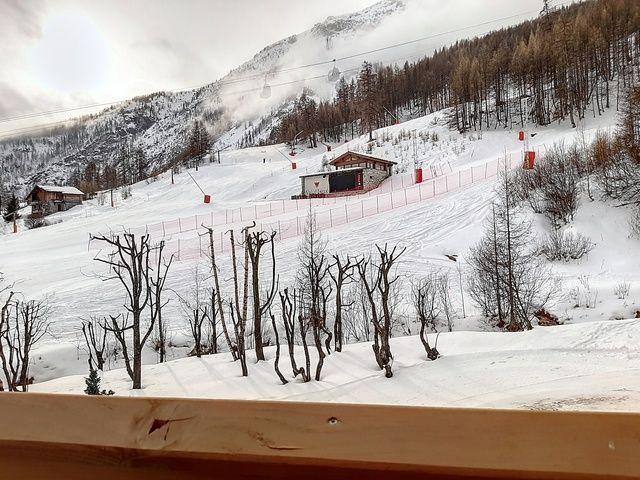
(48,199)
(354,173)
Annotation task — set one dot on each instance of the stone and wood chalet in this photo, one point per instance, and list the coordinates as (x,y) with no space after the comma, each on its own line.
(354,173)
(48,199)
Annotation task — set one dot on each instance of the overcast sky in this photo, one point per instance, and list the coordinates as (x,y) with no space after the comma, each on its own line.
(63,53)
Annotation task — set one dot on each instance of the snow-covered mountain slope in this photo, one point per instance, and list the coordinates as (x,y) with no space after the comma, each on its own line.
(232,106)
(159,123)
(58,262)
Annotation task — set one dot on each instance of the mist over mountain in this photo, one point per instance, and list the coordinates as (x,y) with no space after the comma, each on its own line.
(232,109)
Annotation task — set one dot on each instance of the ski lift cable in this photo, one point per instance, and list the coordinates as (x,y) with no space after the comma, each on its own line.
(36,128)
(276,72)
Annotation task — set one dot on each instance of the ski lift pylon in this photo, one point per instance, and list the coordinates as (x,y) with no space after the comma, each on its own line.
(334,73)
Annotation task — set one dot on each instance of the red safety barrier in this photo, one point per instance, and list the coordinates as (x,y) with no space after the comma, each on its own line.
(395,193)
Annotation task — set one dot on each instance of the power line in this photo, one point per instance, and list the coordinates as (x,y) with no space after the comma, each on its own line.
(277,72)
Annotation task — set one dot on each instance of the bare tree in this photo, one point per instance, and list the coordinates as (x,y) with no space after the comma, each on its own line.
(357,318)
(130,264)
(237,307)
(22,325)
(157,281)
(425,302)
(289,306)
(507,278)
(95,337)
(443,284)
(217,295)
(303,325)
(341,273)
(378,283)
(6,297)
(212,321)
(255,241)
(195,308)
(160,340)
(276,362)
(314,290)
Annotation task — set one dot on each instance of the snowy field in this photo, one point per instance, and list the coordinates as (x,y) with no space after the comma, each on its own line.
(592,366)
(589,362)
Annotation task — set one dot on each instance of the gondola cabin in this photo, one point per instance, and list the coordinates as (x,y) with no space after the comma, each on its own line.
(48,199)
(354,173)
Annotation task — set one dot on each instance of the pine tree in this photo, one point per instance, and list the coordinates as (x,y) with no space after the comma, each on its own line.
(93,383)
(368,97)
(12,208)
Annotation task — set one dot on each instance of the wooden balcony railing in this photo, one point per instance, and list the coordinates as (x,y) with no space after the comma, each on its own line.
(79,437)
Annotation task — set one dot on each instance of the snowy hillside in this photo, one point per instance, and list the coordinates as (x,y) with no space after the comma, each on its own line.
(159,123)
(577,367)
(232,107)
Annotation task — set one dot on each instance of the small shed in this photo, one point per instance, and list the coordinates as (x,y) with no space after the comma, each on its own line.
(48,199)
(354,173)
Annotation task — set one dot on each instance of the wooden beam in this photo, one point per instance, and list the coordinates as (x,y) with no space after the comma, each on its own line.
(66,436)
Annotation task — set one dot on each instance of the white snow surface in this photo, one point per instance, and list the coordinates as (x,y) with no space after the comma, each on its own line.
(590,362)
(592,366)
(61,189)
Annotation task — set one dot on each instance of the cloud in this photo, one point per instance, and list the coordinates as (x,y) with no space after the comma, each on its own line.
(21,18)
(12,101)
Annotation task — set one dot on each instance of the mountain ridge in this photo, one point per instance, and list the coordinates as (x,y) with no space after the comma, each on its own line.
(159,123)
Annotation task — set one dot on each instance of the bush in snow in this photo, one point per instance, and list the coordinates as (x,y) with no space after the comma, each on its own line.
(32,222)
(620,178)
(583,294)
(564,245)
(125,192)
(621,290)
(552,187)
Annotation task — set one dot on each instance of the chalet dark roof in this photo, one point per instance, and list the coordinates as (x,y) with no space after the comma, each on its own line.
(363,156)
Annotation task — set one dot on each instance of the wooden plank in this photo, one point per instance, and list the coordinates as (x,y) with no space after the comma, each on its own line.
(66,436)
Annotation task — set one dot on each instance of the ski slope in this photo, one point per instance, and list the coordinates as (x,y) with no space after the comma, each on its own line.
(57,262)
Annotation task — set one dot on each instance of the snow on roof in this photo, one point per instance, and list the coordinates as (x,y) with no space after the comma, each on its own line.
(339,158)
(63,190)
(331,172)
